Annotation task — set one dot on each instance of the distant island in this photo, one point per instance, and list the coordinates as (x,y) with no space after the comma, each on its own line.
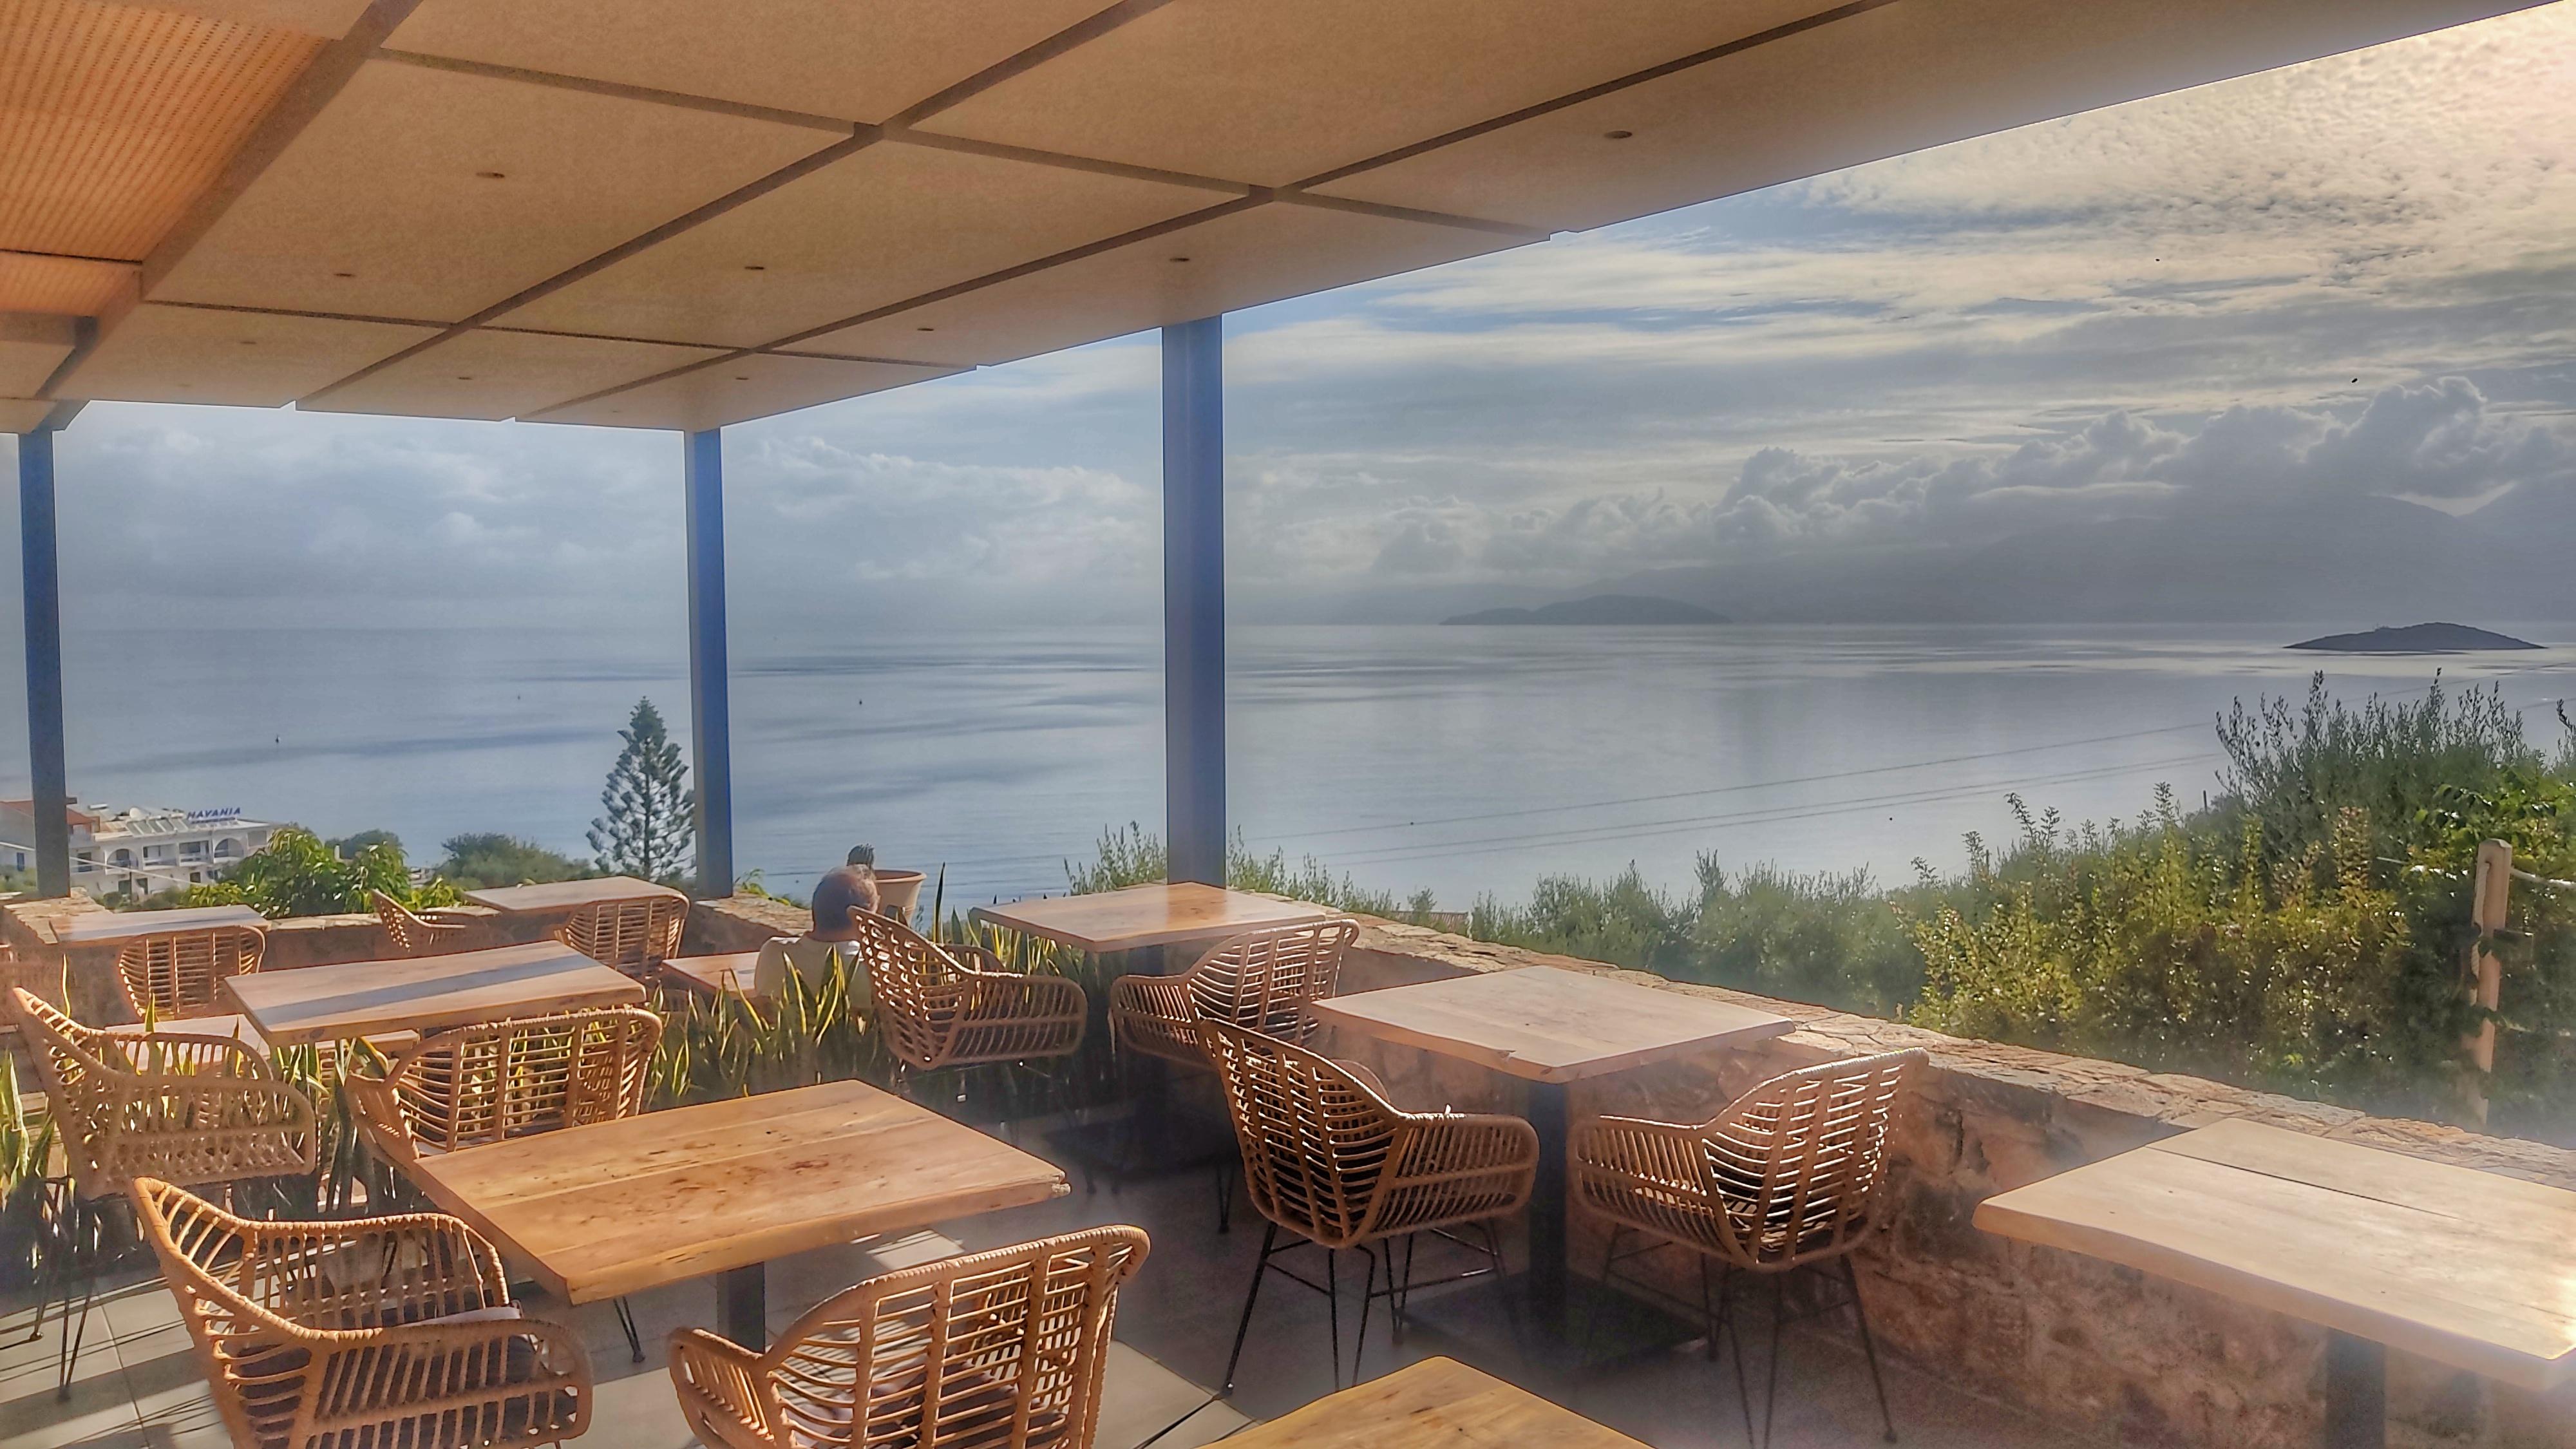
(1598,609)
(2416,639)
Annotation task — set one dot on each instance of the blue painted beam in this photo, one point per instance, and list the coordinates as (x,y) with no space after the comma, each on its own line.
(710,691)
(42,583)
(1194,599)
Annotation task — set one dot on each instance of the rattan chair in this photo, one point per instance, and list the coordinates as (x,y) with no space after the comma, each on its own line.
(957,1005)
(995,1350)
(1327,1157)
(170,1105)
(174,975)
(1787,1177)
(412,935)
(391,1331)
(479,1084)
(1260,980)
(634,935)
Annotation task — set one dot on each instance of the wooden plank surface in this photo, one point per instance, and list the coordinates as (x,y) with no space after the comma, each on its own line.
(1546,1024)
(565,894)
(425,993)
(1438,1403)
(91,927)
(729,970)
(618,1207)
(1147,915)
(2465,1268)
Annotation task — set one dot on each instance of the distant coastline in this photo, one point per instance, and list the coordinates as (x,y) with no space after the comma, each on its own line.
(2415,639)
(1598,609)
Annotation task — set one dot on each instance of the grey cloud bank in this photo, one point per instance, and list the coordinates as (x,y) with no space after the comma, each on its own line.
(2294,346)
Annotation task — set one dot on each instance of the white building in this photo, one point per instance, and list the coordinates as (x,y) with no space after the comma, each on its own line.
(133,850)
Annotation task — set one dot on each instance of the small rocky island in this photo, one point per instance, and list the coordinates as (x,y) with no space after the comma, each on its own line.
(1598,609)
(2416,639)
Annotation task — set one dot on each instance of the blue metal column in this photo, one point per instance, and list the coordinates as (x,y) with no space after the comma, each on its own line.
(1194,599)
(51,795)
(710,697)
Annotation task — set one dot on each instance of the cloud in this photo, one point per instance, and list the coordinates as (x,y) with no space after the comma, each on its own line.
(2345,279)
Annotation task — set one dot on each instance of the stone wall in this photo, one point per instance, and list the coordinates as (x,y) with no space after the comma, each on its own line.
(2100,1350)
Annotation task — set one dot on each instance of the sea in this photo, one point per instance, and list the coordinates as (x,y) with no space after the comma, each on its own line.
(1464,761)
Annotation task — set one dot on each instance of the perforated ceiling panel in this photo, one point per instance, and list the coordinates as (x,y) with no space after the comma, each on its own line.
(824,57)
(739,389)
(113,119)
(426,194)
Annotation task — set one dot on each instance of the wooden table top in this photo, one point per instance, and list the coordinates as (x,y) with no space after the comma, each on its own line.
(565,894)
(1548,1025)
(727,970)
(425,993)
(1438,1403)
(2465,1268)
(1147,915)
(618,1207)
(90,927)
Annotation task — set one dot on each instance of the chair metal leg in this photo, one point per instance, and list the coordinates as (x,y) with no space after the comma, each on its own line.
(1368,1299)
(67,1356)
(1333,1308)
(1771,1386)
(1260,1266)
(1224,1197)
(1726,1325)
(626,1321)
(1868,1346)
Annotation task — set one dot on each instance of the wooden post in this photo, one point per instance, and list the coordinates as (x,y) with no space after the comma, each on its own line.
(2484,973)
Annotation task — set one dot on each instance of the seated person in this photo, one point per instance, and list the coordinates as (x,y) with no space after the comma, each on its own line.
(839,897)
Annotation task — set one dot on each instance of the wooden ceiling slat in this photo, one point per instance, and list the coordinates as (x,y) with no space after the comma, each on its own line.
(113,118)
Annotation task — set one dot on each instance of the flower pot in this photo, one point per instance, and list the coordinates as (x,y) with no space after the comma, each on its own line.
(898,891)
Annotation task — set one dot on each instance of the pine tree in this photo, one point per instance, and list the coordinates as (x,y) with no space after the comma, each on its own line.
(650,823)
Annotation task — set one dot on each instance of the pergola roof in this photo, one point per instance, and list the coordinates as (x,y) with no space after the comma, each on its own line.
(686,213)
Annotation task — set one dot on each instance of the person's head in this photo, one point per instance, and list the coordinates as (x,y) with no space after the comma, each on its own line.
(843,892)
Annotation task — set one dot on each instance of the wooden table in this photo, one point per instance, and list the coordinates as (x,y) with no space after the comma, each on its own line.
(2465,1268)
(563,895)
(618,1207)
(89,928)
(425,993)
(712,975)
(1550,1028)
(1438,1403)
(1147,915)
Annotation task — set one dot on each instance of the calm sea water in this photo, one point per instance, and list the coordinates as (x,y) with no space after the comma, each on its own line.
(1456,760)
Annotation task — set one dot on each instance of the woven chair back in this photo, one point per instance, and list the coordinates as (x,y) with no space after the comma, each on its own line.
(324,1335)
(1263,980)
(1798,1161)
(487,1083)
(1315,1139)
(632,935)
(172,975)
(906,975)
(191,1110)
(410,935)
(995,1350)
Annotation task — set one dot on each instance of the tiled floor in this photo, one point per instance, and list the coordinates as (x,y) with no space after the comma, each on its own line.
(138,1386)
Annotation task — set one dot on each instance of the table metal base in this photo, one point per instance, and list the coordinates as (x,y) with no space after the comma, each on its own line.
(1599,1325)
(742,1305)
(2356,1392)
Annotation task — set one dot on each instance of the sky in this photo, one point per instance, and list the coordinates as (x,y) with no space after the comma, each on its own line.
(2306,289)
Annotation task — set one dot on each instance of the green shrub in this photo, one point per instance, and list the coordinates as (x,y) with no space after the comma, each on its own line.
(297,874)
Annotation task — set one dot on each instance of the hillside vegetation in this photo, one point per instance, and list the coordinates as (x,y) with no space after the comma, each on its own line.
(2301,933)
